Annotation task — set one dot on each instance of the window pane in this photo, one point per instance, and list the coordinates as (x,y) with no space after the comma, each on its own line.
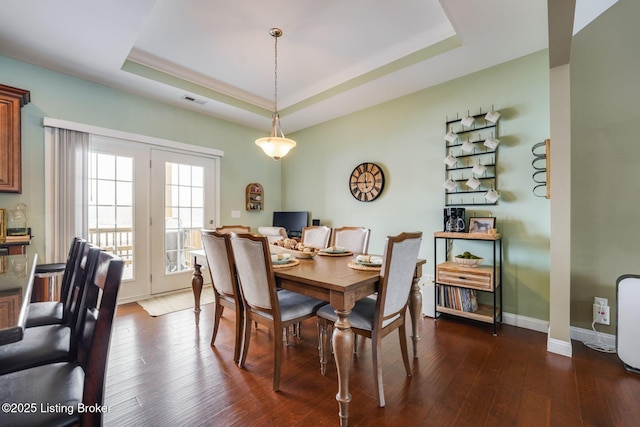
(124,193)
(106,166)
(106,193)
(124,169)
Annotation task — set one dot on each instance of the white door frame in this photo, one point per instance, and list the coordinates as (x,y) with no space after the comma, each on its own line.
(214,153)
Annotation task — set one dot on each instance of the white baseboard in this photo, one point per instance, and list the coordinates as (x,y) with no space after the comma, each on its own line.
(525,322)
(558,346)
(588,335)
(563,348)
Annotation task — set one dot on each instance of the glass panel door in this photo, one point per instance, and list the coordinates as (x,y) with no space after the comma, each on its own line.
(118,209)
(182,204)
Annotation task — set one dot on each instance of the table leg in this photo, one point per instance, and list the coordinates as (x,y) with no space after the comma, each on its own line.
(342,341)
(196,286)
(415,310)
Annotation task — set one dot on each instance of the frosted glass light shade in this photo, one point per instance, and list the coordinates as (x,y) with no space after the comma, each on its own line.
(275,146)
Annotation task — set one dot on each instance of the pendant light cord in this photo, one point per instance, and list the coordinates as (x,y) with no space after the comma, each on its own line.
(276,77)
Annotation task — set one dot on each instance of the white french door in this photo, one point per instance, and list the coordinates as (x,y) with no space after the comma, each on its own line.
(148,205)
(118,207)
(182,203)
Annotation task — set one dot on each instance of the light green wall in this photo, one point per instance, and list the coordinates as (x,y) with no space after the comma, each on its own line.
(63,97)
(406,137)
(605,94)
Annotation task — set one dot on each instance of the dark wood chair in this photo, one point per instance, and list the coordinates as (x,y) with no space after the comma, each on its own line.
(81,381)
(52,312)
(58,342)
(376,317)
(217,247)
(263,303)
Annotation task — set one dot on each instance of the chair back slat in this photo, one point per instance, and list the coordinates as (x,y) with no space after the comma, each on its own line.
(72,261)
(81,273)
(399,263)
(217,248)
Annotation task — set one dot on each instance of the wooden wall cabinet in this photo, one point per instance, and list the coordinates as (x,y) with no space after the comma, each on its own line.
(254,197)
(11,102)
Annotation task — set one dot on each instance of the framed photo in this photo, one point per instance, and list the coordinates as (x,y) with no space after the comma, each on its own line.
(3,225)
(481,225)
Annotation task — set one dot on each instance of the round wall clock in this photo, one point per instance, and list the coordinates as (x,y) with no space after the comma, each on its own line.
(366,182)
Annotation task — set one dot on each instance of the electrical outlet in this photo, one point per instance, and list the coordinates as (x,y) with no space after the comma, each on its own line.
(601,301)
(601,314)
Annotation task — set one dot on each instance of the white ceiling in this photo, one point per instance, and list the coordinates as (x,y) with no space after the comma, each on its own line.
(335,57)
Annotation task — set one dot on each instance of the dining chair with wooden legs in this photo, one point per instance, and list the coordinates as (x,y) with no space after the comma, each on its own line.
(317,236)
(375,318)
(263,303)
(354,239)
(217,248)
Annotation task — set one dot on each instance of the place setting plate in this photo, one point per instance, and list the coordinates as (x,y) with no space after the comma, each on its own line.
(366,263)
(334,251)
(283,261)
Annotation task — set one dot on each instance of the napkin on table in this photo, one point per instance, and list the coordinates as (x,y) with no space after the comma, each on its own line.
(372,259)
(280,257)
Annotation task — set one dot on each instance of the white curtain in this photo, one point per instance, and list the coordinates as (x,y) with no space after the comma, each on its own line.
(66,173)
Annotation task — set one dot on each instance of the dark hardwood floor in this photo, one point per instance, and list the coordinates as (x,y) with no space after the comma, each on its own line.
(163,372)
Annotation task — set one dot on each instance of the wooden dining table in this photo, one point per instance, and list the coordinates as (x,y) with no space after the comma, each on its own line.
(330,278)
(16,282)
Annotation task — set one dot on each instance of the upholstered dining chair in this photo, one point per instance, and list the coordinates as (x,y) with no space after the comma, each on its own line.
(375,318)
(81,380)
(273,233)
(264,304)
(317,236)
(57,342)
(217,248)
(52,312)
(355,239)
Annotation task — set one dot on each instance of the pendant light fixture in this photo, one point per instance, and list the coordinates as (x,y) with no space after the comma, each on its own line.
(276,145)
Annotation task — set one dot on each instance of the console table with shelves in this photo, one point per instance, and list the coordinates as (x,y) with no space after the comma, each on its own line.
(456,286)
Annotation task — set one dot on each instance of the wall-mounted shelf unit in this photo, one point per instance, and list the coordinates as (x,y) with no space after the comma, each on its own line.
(456,286)
(473,142)
(254,197)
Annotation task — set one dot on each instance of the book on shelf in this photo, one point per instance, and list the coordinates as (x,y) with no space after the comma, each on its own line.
(13,239)
(462,299)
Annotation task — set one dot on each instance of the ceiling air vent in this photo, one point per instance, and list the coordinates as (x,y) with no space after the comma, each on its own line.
(192,99)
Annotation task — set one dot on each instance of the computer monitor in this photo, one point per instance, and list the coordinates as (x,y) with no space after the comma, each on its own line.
(293,222)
